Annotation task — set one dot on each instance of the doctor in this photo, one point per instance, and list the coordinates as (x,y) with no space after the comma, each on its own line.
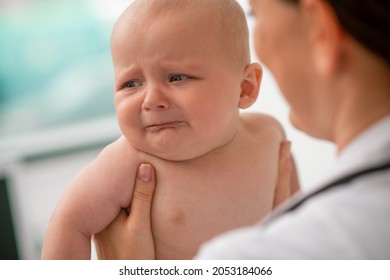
(331,60)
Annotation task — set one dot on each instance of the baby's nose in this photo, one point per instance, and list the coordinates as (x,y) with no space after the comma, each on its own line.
(155,99)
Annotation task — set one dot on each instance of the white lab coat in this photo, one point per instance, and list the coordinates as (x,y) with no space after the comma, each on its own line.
(351,221)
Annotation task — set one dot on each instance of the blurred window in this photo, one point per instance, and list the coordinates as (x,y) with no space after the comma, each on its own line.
(55,63)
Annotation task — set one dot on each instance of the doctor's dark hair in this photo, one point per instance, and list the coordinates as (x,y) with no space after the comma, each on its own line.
(368,21)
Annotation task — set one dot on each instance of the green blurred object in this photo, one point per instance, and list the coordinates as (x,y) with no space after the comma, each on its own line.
(55,66)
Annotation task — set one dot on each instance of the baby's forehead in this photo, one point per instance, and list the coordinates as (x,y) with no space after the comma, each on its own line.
(224,20)
(184,17)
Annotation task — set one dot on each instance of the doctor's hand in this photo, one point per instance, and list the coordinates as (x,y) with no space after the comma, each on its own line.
(129,236)
(288,183)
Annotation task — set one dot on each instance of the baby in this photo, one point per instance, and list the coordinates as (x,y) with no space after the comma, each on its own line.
(182,74)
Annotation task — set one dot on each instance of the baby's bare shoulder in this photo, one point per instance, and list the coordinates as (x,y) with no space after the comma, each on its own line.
(116,162)
(262,124)
(112,173)
(119,151)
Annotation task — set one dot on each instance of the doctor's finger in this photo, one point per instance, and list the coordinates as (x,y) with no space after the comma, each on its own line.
(285,168)
(141,203)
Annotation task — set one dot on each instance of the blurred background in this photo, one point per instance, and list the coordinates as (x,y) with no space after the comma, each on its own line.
(57,113)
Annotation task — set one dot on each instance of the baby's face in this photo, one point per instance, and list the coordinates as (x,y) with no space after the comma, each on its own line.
(176,94)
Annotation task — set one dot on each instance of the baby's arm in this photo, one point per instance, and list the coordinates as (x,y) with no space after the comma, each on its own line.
(92,201)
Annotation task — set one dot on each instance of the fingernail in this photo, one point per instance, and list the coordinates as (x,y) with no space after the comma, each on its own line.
(145,173)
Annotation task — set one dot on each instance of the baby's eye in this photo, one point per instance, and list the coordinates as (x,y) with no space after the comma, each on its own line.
(132,84)
(177,78)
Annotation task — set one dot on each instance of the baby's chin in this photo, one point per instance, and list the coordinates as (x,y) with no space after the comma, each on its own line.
(176,155)
(180,152)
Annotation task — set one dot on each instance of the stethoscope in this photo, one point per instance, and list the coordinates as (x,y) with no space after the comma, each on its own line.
(294,205)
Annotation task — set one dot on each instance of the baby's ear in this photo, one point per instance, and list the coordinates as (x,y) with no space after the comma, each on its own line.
(250,85)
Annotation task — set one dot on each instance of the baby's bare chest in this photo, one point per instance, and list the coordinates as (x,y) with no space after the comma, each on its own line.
(194,203)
